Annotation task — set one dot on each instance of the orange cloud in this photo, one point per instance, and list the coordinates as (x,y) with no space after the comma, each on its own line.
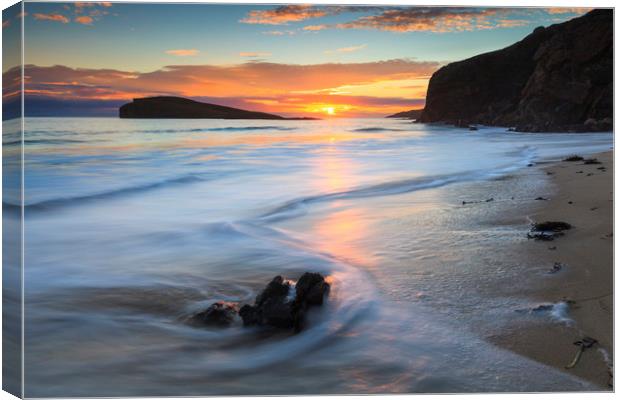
(300,12)
(183,52)
(350,49)
(84,20)
(80,6)
(284,14)
(51,17)
(248,79)
(313,28)
(6,24)
(285,88)
(568,10)
(433,19)
(87,13)
(405,19)
(511,23)
(279,33)
(254,54)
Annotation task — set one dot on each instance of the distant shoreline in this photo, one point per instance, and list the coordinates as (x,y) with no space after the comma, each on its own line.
(172,107)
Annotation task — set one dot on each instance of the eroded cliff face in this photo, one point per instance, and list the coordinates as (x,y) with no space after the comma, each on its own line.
(558,78)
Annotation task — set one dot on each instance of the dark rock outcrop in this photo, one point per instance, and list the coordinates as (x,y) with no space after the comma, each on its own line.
(178,107)
(310,290)
(558,78)
(411,114)
(274,306)
(218,314)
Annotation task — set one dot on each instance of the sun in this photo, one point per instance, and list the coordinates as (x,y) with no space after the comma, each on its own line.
(329,110)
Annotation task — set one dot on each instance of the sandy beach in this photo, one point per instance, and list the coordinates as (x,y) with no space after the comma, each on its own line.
(582,196)
(425,245)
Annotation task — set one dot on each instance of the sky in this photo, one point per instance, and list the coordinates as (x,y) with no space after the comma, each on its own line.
(86,59)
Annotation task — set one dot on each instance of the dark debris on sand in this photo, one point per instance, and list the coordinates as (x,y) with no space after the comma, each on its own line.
(490,199)
(555,226)
(557,267)
(573,158)
(548,230)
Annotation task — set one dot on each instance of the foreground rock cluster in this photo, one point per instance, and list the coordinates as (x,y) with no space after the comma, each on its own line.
(279,305)
(558,78)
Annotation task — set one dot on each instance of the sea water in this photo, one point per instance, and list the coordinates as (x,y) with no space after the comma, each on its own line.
(133,225)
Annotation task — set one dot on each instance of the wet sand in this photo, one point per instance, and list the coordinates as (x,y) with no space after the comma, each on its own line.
(582,196)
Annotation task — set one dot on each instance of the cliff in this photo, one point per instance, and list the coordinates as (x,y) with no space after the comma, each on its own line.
(558,78)
(178,107)
(411,114)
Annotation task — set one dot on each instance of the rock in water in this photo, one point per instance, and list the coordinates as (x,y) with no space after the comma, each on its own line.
(276,289)
(277,313)
(249,315)
(558,78)
(217,314)
(274,307)
(311,289)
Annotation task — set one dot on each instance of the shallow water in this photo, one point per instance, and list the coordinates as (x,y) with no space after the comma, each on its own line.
(133,225)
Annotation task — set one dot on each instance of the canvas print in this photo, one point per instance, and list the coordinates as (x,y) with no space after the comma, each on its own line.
(293,199)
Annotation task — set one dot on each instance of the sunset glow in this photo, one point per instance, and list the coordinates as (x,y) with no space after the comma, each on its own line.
(296,60)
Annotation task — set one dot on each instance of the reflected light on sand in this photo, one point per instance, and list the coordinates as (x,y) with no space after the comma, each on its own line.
(335,173)
(342,234)
(342,229)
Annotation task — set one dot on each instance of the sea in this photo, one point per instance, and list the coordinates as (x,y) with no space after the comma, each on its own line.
(132,226)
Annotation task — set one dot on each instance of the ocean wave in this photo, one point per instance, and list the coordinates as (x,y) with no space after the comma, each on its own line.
(294,207)
(220,129)
(44,141)
(377,129)
(69,201)
(353,298)
(122,131)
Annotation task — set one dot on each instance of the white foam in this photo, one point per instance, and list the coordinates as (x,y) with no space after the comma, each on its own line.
(560,312)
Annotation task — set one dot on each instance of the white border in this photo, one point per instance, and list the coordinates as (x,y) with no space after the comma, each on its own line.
(521,3)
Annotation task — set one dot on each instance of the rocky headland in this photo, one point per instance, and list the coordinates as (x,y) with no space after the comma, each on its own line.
(179,107)
(557,79)
(411,114)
